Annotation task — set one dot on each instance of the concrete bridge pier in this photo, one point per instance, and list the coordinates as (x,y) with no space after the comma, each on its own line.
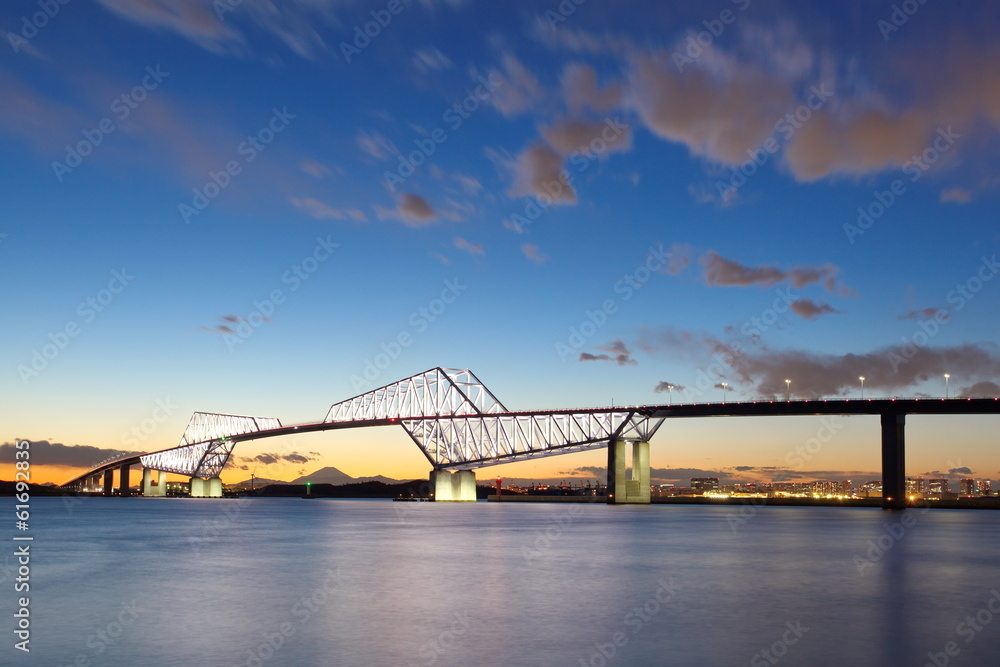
(123,477)
(206,488)
(459,486)
(621,490)
(148,489)
(893,461)
(109,481)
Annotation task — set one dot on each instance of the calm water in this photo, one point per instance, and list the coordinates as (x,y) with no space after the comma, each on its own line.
(332,582)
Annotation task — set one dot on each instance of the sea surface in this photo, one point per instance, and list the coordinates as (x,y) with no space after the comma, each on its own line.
(260,582)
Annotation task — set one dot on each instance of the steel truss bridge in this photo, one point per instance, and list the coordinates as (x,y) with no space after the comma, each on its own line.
(459,425)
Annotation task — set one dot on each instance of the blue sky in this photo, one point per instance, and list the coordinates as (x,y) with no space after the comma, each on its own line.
(230,184)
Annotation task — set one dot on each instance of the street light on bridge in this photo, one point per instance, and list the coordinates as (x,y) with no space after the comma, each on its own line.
(788,390)
(862,378)
(670,394)
(946,376)
(725,388)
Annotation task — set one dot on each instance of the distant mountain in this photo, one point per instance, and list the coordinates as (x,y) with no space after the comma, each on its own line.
(383,479)
(259,482)
(329,475)
(336,477)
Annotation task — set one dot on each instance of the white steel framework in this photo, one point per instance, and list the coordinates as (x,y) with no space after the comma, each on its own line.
(475,441)
(449,413)
(206,445)
(437,392)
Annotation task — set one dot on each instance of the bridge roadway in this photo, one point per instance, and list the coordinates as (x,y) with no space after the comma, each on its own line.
(892,413)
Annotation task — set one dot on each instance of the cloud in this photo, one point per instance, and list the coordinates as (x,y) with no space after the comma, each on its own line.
(718,114)
(470,186)
(981,390)
(923,313)
(316,208)
(588,137)
(317,169)
(538,171)
(44,452)
(376,144)
(885,369)
(431,58)
(808,309)
(191,19)
(520,90)
(211,27)
(679,258)
(619,353)
(229,322)
(471,248)
(956,196)
(415,210)
(270,458)
(867,135)
(664,387)
(532,252)
(722,272)
(581,91)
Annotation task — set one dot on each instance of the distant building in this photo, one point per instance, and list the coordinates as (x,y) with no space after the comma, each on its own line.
(984,486)
(915,485)
(938,486)
(703,484)
(871,489)
(967,487)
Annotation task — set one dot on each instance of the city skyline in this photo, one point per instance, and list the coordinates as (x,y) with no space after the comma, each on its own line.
(243,209)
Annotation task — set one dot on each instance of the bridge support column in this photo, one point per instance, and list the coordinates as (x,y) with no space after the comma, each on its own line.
(621,490)
(123,484)
(197,487)
(109,481)
(459,486)
(148,489)
(893,461)
(213,487)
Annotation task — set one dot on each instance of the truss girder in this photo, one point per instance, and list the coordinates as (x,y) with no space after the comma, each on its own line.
(476,441)
(205,446)
(203,459)
(205,426)
(437,392)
